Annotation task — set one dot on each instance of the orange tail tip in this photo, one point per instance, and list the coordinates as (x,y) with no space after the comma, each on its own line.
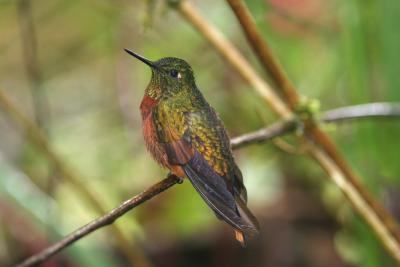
(240,237)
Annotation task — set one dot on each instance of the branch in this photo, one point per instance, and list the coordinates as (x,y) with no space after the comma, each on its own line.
(247,72)
(363,111)
(369,110)
(264,53)
(107,219)
(102,221)
(134,256)
(321,147)
(234,57)
(277,129)
(32,66)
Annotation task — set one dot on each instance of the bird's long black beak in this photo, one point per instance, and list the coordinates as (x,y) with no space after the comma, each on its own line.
(143,59)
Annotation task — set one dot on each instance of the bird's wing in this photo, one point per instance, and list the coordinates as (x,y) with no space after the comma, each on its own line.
(214,191)
(194,141)
(172,130)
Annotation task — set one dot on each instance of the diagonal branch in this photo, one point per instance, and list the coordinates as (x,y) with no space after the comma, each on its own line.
(31,60)
(107,219)
(35,135)
(102,221)
(234,57)
(277,129)
(264,52)
(324,151)
(247,72)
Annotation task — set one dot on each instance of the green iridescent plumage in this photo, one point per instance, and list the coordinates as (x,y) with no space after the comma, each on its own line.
(184,133)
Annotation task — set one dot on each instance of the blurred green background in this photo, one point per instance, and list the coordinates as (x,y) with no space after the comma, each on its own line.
(62,63)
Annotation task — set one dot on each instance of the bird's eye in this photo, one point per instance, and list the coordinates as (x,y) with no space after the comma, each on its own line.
(175,74)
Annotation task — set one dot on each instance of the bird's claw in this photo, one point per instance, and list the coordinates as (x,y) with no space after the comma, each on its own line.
(179,179)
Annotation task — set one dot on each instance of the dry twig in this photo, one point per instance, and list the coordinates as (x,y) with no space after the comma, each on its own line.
(104,220)
(35,135)
(325,152)
(30,57)
(370,110)
(277,129)
(262,135)
(373,213)
(263,51)
(234,57)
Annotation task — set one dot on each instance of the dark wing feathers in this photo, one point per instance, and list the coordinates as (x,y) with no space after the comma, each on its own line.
(179,152)
(213,190)
(201,147)
(248,218)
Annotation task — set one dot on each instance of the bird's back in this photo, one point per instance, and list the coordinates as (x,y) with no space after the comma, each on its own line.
(211,167)
(183,133)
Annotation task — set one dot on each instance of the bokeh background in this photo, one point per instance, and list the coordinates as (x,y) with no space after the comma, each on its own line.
(62,63)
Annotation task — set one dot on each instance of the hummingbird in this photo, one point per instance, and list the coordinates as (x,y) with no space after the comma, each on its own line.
(184,134)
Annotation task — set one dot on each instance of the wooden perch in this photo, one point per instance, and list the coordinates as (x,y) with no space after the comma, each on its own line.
(262,135)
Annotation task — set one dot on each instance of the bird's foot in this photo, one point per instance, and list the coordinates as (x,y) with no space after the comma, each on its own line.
(180,179)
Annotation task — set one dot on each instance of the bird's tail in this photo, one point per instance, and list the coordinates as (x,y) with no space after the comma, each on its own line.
(250,224)
(227,206)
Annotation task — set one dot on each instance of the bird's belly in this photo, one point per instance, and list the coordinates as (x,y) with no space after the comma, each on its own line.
(155,148)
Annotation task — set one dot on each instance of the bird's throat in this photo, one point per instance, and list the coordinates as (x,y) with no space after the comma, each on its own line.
(147,105)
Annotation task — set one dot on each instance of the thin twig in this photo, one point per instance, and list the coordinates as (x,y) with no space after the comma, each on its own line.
(40,102)
(381,229)
(246,139)
(280,128)
(234,57)
(268,133)
(132,253)
(326,153)
(102,221)
(250,76)
(277,129)
(263,51)
(384,109)
(30,57)
(363,202)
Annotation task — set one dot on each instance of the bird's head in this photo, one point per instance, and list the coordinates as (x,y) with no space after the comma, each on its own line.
(169,75)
